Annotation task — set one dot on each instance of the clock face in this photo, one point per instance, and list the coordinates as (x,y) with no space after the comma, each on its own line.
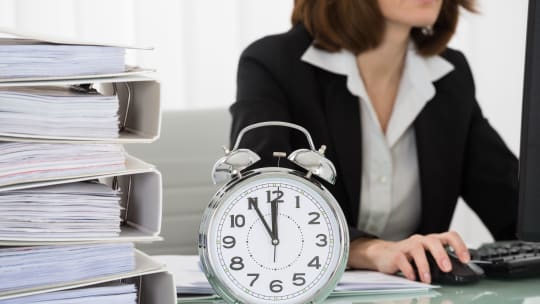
(275,240)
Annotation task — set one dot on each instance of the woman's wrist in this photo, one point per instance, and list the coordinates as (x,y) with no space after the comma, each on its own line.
(363,253)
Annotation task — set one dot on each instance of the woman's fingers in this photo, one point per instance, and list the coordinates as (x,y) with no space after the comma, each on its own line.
(436,248)
(419,256)
(403,264)
(453,239)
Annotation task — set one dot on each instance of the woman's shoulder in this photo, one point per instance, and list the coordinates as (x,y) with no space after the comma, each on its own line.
(456,58)
(291,44)
(461,76)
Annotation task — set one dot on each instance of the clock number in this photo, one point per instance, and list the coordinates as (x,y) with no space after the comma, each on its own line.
(297,201)
(237,263)
(277,199)
(323,240)
(298,279)
(237,220)
(275,286)
(315,219)
(252,203)
(315,262)
(229,242)
(256,275)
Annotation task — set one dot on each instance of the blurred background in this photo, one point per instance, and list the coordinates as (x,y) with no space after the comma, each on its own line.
(197,44)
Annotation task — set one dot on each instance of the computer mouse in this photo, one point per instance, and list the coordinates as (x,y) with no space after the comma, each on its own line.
(461,273)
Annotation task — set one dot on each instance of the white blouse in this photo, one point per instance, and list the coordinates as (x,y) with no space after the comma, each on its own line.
(390,200)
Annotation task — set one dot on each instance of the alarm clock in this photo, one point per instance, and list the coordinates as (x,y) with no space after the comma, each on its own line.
(273,234)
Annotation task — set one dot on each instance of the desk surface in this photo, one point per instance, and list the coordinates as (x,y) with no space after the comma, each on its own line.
(484,292)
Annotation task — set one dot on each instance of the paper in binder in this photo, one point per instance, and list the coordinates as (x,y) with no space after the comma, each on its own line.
(29,162)
(105,294)
(21,58)
(109,110)
(26,267)
(153,284)
(58,111)
(136,191)
(75,210)
(27,56)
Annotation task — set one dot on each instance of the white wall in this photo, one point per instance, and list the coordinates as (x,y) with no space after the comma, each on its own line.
(198,43)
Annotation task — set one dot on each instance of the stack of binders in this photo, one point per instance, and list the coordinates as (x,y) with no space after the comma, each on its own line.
(72,201)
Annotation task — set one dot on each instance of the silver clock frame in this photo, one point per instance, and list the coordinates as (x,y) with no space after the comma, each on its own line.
(209,217)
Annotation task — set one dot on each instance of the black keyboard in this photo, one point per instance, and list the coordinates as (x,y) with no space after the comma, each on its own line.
(515,259)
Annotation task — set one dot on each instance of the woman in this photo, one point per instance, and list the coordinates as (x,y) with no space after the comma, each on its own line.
(375,82)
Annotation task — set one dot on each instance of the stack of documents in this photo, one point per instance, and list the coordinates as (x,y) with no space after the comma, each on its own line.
(190,279)
(188,276)
(49,111)
(29,162)
(354,282)
(25,267)
(114,294)
(74,210)
(20,58)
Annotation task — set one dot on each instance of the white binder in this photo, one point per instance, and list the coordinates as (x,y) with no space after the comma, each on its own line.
(129,70)
(133,165)
(17,33)
(140,109)
(155,285)
(141,198)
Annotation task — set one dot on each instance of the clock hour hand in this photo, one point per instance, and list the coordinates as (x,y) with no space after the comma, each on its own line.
(264,221)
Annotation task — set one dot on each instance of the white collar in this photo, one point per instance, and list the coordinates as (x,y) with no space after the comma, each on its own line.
(418,75)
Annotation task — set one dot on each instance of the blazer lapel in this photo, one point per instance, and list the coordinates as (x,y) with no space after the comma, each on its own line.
(344,127)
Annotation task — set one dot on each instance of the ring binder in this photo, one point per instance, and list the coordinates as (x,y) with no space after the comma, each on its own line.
(141,223)
(84,88)
(128,103)
(138,283)
(128,200)
(139,288)
(115,186)
(139,109)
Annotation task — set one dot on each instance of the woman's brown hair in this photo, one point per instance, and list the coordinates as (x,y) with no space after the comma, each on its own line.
(358,25)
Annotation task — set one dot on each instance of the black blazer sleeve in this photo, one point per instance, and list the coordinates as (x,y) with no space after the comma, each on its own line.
(259,98)
(490,181)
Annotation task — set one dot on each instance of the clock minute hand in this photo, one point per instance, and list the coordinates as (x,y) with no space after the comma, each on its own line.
(274,206)
(275,240)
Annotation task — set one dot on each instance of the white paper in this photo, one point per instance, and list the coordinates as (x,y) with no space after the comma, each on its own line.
(26,267)
(31,162)
(355,280)
(187,273)
(58,111)
(106,294)
(75,210)
(31,58)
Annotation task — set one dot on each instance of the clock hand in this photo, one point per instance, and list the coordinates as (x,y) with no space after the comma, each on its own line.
(275,240)
(264,221)
(275,246)
(274,206)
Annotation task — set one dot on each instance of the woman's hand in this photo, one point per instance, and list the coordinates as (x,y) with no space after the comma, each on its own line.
(391,257)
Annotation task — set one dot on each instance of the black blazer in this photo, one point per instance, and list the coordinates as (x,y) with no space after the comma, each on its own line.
(459,153)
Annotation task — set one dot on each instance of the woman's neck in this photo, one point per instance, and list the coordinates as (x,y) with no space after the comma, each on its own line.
(381,70)
(384,64)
